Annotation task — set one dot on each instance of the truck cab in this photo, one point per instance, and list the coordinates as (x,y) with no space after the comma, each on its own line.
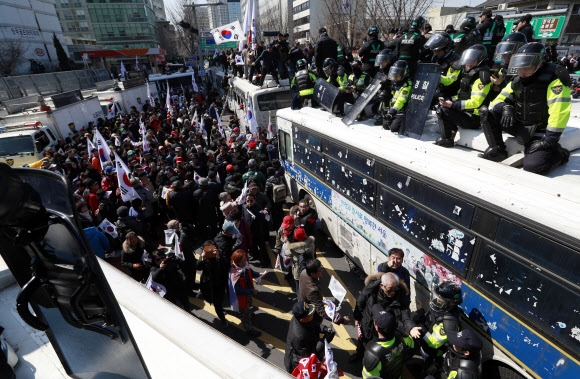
(25,143)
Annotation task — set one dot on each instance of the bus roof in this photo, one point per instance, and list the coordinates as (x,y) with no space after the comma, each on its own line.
(156,77)
(551,200)
(247,87)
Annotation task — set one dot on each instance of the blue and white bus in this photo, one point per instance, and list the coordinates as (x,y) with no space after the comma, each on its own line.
(510,238)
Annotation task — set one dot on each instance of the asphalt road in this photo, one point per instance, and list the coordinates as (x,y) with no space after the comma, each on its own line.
(273,305)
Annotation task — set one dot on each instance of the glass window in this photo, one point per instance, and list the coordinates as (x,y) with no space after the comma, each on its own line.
(15,145)
(351,184)
(546,253)
(310,159)
(307,138)
(533,295)
(286,146)
(449,206)
(41,140)
(354,160)
(273,101)
(448,242)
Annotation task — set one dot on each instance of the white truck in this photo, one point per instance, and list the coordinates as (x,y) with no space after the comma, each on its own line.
(123,99)
(25,136)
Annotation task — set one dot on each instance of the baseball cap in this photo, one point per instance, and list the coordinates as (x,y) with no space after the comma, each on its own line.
(385,320)
(527,17)
(486,12)
(465,339)
(321,30)
(287,222)
(230,228)
(230,168)
(300,234)
(302,309)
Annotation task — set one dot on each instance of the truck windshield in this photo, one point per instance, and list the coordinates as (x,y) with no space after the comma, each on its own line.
(15,145)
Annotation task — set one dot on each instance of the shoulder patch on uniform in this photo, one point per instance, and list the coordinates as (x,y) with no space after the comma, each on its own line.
(557,90)
(480,85)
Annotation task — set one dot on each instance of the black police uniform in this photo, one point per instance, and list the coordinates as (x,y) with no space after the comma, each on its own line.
(368,53)
(411,49)
(326,47)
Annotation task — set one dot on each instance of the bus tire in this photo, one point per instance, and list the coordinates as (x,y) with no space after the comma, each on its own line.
(495,369)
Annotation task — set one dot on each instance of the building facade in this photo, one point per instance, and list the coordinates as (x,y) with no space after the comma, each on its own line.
(31,25)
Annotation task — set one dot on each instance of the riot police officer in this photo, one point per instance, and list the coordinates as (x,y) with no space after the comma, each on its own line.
(384,61)
(369,51)
(338,78)
(303,81)
(501,59)
(411,46)
(463,359)
(442,46)
(359,80)
(473,92)
(466,36)
(442,318)
(401,90)
(540,94)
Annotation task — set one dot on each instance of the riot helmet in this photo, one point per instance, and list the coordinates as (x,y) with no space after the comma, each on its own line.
(507,47)
(328,66)
(301,64)
(373,31)
(468,24)
(385,58)
(473,57)
(418,23)
(450,29)
(445,296)
(527,60)
(399,71)
(439,41)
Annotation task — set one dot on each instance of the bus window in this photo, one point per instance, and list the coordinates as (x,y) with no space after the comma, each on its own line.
(449,243)
(286,146)
(533,295)
(307,139)
(351,184)
(549,255)
(276,100)
(449,206)
(354,160)
(309,158)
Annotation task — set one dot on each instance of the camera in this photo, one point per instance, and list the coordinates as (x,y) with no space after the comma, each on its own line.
(329,333)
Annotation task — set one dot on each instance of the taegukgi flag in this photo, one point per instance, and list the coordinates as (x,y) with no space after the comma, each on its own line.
(228,33)
(128,193)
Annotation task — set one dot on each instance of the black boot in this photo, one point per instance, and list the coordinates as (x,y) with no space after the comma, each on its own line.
(496,151)
(446,139)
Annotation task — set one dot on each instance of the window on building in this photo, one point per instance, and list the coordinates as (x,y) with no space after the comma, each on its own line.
(64,4)
(80,14)
(67,15)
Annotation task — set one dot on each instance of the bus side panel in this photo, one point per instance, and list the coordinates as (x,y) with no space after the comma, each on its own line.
(354,245)
(536,353)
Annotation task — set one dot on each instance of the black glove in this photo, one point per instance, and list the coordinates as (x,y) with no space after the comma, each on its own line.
(384,96)
(507,116)
(538,145)
(329,333)
(388,120)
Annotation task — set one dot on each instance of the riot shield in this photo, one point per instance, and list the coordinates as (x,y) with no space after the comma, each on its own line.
(425,84)
(325,93)
(364,99)
(42,244)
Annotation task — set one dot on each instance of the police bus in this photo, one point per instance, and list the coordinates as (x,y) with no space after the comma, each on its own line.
(266,100)
(158,82)
(510,238)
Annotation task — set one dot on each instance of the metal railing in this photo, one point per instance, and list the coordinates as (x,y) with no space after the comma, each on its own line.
(15,87)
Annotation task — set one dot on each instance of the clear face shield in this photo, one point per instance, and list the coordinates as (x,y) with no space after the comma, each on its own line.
(438,303)
(524,64)
(471,59)
(436,43)
(383,60)
(504,51)
(396,74)
(328,70)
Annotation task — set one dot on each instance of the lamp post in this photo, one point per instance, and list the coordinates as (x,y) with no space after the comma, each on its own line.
(193,6)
